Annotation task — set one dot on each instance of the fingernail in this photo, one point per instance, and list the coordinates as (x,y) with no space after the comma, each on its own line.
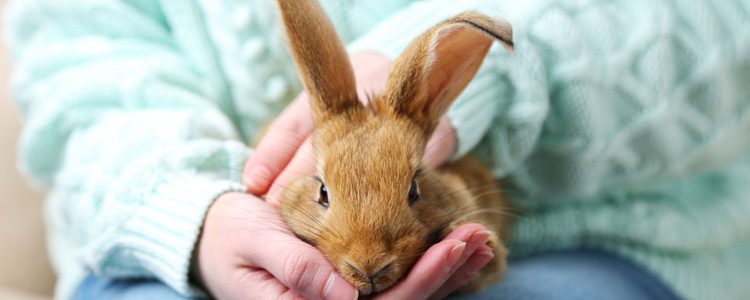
(273,194)
(480,236)
(485,252)
(476,268)
(257,177)
(455,253)
(338,288)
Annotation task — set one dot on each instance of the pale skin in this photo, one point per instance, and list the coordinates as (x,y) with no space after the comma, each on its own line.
(247,252)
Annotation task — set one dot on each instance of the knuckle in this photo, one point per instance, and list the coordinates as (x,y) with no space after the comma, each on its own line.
(299,271)
(291,295)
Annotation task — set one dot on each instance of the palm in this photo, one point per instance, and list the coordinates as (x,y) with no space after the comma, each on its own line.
(246,251)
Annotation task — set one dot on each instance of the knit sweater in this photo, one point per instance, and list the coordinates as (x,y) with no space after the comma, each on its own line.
(621,125)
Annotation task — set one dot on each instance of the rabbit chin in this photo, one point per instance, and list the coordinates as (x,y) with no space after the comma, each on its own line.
(374,267)
(367,287)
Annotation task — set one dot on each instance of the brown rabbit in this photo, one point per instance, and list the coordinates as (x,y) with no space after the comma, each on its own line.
(373,208)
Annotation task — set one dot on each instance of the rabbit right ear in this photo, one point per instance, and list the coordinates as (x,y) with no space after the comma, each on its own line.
(322,62)
(436,67)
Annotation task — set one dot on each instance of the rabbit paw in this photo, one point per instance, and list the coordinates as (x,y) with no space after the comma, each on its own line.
(492,271)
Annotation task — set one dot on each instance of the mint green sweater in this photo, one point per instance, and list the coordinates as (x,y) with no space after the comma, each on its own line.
(621,125)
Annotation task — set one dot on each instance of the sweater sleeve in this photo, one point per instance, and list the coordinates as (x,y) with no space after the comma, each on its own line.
(507,100)
(124,125)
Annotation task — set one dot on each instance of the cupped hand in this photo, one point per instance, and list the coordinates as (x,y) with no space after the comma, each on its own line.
(247,252)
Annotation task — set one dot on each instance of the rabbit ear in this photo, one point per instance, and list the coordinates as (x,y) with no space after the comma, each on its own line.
(321,60)
(436,67)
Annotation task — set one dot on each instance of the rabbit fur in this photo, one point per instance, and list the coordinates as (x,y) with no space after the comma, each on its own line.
(373,208)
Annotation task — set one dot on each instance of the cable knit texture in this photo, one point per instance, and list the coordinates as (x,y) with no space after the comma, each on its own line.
(621,125)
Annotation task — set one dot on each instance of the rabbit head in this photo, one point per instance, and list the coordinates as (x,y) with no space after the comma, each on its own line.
(366,207)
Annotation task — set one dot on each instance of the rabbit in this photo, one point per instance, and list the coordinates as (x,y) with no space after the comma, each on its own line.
(373,209)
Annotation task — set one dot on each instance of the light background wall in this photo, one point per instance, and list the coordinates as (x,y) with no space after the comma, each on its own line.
(23,260)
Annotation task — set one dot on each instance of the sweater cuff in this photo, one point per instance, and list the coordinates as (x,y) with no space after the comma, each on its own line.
(161,236)
(174,224)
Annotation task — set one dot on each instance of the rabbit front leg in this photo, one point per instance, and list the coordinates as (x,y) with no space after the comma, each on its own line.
(492,271)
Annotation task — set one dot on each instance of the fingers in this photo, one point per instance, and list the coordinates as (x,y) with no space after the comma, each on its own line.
(436,267)
(246,248)
(474,258)
(278,146)
(222,266)
(476,262)
(464,231)
(259,284)
(302,164)
(429,273)
(442,144)
(371,73)
(295,264)
(302,268)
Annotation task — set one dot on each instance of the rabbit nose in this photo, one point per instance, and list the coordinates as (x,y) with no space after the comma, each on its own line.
(370,276)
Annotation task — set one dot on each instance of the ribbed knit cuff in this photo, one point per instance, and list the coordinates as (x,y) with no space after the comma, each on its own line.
(161,236)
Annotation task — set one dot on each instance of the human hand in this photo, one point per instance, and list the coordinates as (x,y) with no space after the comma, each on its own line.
(247,252)
(285,151)
(445,267)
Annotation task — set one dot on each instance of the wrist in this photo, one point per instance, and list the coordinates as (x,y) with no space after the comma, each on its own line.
(195,273)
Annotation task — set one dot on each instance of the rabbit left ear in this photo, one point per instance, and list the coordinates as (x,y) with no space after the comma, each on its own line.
(437,66)
(322,62)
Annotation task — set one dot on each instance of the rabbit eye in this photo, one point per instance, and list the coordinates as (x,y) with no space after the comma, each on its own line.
(413,192)
(323,197)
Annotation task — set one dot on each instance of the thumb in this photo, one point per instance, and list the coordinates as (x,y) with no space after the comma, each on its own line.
(278,146)
(303,164)
(304,269)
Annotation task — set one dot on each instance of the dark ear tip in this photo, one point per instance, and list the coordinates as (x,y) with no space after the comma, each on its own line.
(509,46)
(497,28)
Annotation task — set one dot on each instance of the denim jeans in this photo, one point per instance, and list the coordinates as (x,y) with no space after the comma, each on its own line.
(576,274)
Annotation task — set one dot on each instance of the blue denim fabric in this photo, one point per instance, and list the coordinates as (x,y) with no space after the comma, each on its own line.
(94,288)
(576,274)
